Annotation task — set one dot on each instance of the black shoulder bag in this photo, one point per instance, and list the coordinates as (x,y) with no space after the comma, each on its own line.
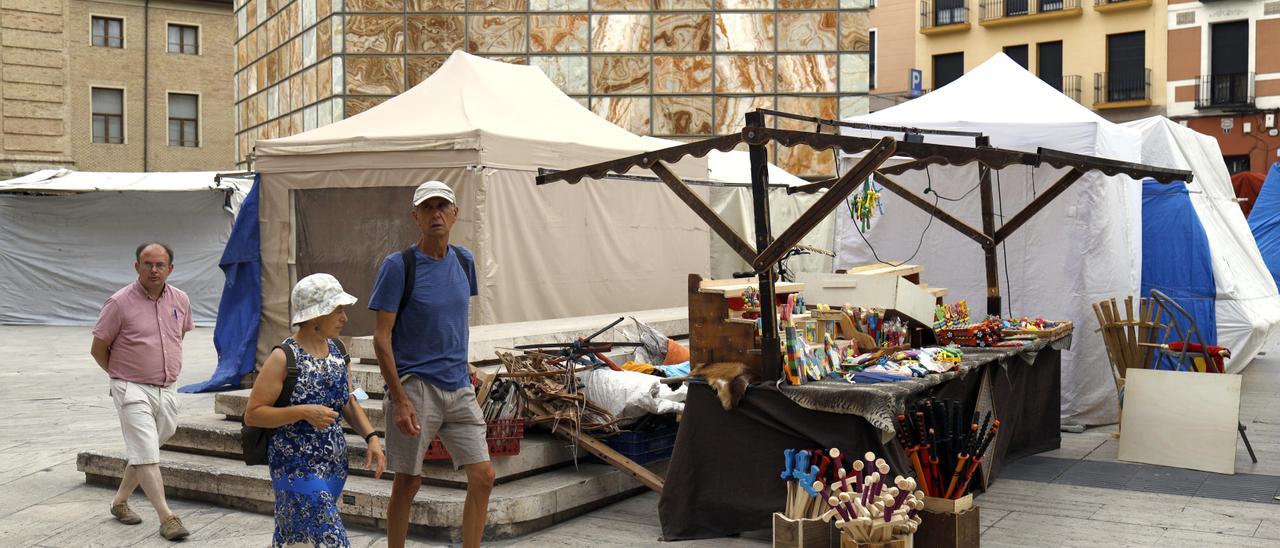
(254,440)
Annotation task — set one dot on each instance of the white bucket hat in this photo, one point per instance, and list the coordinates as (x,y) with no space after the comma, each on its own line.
(318,295)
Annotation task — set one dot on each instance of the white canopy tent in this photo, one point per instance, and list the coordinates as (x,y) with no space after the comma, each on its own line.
(1083,248)
(1247,305)
(336,199)
(69,239)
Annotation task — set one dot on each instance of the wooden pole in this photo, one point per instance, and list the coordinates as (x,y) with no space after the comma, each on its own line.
(989,229)
(770,351)
(1038,204)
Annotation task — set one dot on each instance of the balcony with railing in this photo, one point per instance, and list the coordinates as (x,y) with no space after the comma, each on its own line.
(1225,90)
(1122,89)
(1110,6)
(1071,86)
(1011,12)
(943,16)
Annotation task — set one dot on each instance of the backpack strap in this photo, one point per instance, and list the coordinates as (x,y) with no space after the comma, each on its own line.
(342,350)
(461,262)
(290,377)
(410,262)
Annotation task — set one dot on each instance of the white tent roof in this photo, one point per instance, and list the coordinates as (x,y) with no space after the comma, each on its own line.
(469,104)
(1084,248)
(65,180)
(1247,305)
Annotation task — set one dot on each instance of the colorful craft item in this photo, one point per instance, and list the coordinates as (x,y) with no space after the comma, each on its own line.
(866,204)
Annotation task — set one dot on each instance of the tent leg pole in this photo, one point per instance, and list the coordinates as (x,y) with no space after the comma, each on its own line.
(770,350)
(989,229)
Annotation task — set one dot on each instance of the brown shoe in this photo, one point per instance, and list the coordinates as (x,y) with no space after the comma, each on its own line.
(124,514)
(172,529)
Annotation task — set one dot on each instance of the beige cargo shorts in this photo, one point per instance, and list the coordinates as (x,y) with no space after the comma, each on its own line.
(454,415)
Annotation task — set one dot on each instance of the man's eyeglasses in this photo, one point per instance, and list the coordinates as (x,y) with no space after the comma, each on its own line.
(155,266)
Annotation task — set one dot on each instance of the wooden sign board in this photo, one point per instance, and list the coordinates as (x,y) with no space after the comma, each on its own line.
(1181,419)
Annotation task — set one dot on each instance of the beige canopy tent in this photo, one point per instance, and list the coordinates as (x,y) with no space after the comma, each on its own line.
(336,200)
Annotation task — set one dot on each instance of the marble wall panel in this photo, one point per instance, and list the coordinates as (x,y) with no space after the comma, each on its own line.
(744,4)
(730,111)
(615,74)
(630,113)
(309,83)
(744,73)
(374,6)
(682,74)
(854,74)
(438,5)
(558,33)
(296,56)
(620,33)
(855,4)
(242,53)
(356,105)
(309,47)
(807,4)
(374,75)
(251,45)
(584,101)
(854,35)
(292,18)
(512,59)
(436,33)
(803,160)
(558,5)
(681,32)
(375,34)
(296,100)
(260,108)
(309,118)
(251,15)
(679,5)
(808,31)
(499,5)
(339,75)
(273,69)
(809,73)
(339,30)
(273,103)
(323,9)
(308,13)
(422,66)
(324,79)
(744,32)
(854,105)
(682,115)
(496,33)
(260,68)
(621,5)
(324,39)
(569,72)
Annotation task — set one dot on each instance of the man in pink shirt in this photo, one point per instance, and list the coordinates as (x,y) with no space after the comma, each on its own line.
(138,342)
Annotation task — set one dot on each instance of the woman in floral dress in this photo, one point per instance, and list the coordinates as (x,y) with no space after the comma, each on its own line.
(308,451)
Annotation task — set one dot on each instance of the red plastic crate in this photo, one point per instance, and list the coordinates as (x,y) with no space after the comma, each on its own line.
(504,437)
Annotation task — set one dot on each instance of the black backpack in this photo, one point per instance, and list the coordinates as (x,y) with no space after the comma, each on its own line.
(254,440)
(411,274)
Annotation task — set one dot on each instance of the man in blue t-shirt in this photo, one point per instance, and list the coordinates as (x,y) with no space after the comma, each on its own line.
(421,345)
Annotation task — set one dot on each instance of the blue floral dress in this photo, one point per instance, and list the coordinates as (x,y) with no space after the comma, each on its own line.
(309,466)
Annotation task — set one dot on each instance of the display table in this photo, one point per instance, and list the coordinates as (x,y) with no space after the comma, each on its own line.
(723,477)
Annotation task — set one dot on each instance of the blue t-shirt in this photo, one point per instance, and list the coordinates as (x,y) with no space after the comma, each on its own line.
(430,339)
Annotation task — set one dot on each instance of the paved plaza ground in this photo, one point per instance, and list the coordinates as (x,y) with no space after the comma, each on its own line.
(1078,495)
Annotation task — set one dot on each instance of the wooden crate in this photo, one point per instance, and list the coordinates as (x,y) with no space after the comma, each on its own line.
(897,542)
(946,523)
(802,533)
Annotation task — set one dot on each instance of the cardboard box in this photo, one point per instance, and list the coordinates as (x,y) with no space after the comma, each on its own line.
(803,533)
(869,291)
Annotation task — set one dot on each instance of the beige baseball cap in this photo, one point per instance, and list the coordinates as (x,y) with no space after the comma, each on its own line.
(431,189)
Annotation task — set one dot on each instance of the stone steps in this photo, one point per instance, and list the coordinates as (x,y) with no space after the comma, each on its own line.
(212,435)
(515,508)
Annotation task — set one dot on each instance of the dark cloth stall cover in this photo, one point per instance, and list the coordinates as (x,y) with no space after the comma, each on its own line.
(724,475)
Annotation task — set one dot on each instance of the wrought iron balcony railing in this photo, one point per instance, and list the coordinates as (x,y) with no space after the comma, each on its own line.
(941,13)
(1071,86)
(999,9)
(1225,90)
(1122,86)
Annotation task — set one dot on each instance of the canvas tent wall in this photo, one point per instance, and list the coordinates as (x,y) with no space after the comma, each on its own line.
(69,239)
(1264,221)
(1244,299)
(336,199)
(1083,248)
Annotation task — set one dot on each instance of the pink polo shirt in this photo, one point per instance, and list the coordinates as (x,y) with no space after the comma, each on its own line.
(145,335)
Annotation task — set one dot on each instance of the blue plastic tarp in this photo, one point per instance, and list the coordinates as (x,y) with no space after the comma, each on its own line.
(1176,257)
(1264,221)
(235,336)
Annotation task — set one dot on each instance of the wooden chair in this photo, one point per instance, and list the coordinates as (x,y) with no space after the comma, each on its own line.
(1124,336)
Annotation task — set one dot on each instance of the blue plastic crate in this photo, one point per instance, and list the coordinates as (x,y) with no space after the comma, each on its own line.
(643,447)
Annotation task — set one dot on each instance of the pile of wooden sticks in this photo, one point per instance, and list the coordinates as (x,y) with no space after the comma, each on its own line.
(866,508)
(944,452)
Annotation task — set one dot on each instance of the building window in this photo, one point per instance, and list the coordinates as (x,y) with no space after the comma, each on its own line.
(184,39)
(184,121)
(1049,63)
(108,116)
(1018,54)
(947,68)
(1237,164)
(108,32)
(1126,67)
(871,69)
(1229,81)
